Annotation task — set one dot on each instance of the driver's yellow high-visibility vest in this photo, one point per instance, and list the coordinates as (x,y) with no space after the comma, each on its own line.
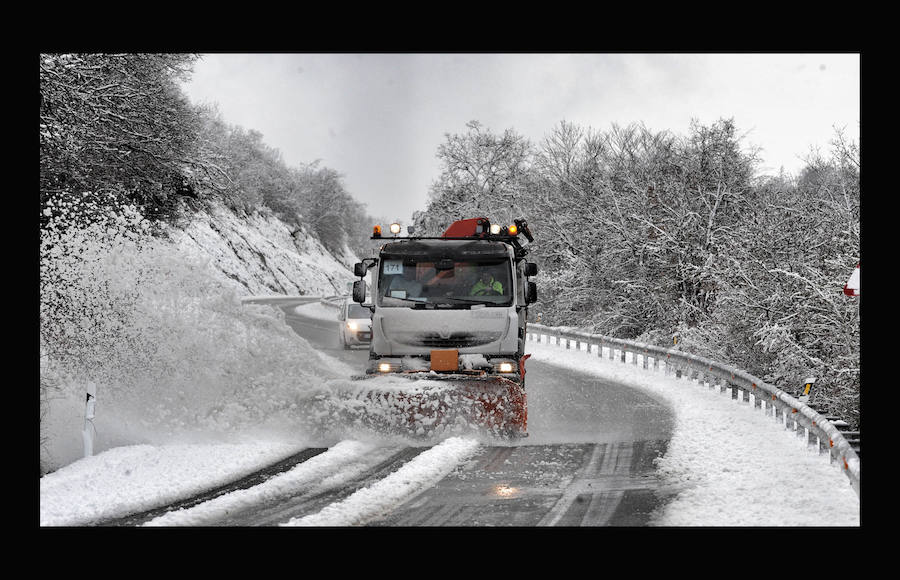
(480,287)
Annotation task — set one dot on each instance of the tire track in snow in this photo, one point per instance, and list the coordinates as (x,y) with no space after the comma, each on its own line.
(423,471)
(327,470)
(346,484)
(248,481)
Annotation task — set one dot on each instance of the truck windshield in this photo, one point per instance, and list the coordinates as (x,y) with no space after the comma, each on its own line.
(410,282)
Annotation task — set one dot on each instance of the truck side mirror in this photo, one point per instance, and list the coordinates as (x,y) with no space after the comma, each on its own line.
(359,291)
(359,269)
(531,293)
(530,269)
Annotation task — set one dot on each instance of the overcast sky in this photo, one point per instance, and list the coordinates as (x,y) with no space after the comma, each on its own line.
(378,119)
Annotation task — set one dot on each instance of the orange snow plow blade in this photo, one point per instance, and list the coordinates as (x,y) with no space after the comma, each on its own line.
(451,403)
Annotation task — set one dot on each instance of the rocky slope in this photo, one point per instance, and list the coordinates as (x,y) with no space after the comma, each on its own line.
(259,254)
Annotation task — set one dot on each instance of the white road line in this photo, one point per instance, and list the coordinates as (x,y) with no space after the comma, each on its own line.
(573,489)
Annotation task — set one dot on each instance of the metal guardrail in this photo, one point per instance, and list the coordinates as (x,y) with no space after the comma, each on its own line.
(333,301)
(786,410)
(280,300)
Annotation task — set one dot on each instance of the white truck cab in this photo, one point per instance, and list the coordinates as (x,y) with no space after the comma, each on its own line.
(466,291)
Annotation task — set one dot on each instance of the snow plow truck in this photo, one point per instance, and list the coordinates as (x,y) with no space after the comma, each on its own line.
(453,309)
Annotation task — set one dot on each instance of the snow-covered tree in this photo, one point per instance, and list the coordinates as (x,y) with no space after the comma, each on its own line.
(480,176)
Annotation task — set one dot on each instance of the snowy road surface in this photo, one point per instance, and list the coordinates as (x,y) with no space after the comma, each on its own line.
(588,461)
(618,449)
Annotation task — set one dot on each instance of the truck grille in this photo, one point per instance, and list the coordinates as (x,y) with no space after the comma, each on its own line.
(455,340)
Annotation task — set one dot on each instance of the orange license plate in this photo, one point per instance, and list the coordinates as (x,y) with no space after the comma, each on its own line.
(445,360)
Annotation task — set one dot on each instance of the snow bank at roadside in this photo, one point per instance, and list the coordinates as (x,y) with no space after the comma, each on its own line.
(732,465)
(134,478)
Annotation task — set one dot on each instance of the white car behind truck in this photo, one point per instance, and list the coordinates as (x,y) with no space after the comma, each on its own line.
(356,324)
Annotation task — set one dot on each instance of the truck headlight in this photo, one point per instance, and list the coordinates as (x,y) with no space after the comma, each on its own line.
(352,326)
(505,367)
(384,367)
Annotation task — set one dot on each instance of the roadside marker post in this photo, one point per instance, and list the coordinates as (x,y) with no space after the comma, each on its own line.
(87,434)
(807,387)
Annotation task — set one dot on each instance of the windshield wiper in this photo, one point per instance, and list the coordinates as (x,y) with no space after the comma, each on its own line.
(464,301)
(417,302)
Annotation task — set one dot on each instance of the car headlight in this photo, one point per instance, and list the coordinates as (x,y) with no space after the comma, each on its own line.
(352,326)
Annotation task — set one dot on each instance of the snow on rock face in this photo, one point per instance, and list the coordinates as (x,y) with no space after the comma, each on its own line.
(258,253)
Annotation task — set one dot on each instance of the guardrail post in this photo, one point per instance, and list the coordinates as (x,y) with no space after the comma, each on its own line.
(803,433)
(812,440)
(823,446)
(835,453)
